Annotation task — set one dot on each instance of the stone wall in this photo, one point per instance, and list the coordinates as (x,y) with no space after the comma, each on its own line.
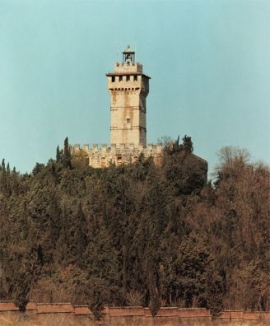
(137,315)
(102,156)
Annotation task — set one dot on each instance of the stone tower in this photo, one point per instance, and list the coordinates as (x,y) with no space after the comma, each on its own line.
(128,87)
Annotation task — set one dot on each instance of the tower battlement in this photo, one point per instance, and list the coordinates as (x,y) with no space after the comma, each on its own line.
(123,68)
(101,156)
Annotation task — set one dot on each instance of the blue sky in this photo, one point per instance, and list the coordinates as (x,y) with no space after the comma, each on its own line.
(208,60)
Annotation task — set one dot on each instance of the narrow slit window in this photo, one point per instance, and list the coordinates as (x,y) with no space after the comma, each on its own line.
(128,78)
(135,78)
(120,78)
(113,79)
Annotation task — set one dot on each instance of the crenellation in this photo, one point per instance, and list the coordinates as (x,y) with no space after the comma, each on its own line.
(123,67)
(150,147)
(95,148)
(104,149)
(102,156)
(86,147)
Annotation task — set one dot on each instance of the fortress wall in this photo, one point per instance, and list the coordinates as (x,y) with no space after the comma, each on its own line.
(104,155)
(135,315)
(45,308)
(8,306)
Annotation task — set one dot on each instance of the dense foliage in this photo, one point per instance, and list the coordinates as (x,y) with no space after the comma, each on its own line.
(138,234)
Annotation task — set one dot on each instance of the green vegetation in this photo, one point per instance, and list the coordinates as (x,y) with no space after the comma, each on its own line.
(138,234)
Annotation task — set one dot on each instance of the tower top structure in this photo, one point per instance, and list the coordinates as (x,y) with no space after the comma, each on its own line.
(128,64)
(129,56)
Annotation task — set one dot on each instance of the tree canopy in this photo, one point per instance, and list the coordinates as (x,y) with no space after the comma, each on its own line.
(138,234)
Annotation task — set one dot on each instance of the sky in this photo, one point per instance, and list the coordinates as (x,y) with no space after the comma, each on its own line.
(208,61)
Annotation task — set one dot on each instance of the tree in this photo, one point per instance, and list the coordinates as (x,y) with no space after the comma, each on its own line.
(58,155)
(66,158)
(241,209)
(186,172)
(140,233)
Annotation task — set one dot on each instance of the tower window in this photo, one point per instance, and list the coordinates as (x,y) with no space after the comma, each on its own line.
(135,78)
(128,78)
(120,78)
(128,120)
(113,79)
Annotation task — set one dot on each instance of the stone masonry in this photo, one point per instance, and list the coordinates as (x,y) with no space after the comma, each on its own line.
(128,87)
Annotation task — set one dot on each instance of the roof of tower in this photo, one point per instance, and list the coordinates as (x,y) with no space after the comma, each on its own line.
(128,50)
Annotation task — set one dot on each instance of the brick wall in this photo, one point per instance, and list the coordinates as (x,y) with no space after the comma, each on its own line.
(138,315)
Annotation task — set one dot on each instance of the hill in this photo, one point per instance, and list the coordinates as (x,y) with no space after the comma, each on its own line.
(138,234)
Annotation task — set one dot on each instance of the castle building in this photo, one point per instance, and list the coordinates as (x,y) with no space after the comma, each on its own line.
(128,87)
